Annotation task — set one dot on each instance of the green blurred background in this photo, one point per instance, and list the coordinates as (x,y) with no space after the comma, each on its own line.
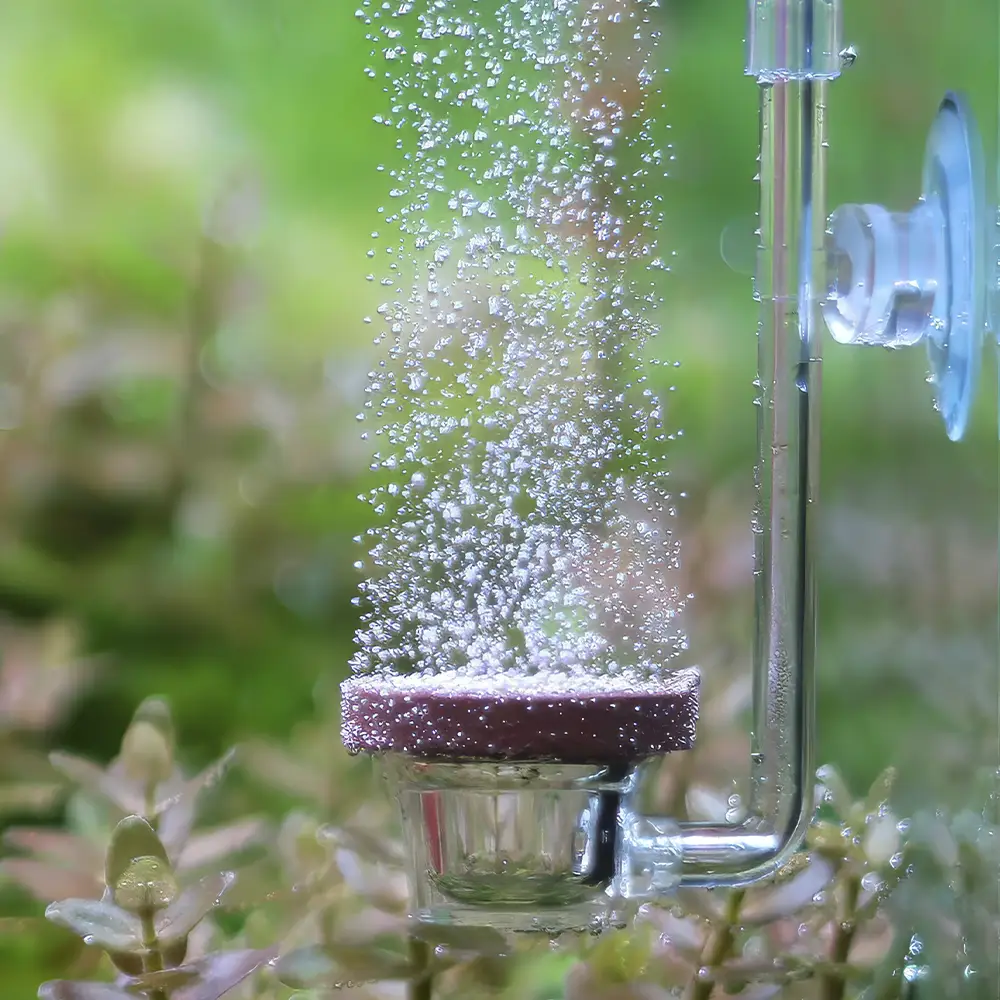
(187,190)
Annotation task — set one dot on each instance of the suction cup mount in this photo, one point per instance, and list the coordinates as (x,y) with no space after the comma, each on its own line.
(896,279)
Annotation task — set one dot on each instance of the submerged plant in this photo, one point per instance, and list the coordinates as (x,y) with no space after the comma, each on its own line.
(869,905)
(143,922)
(143,789)
(145,780)
(41,669)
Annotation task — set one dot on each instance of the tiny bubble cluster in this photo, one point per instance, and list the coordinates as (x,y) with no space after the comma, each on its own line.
(524,516)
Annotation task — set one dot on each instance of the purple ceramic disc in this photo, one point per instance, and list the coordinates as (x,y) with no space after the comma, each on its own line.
(540,717)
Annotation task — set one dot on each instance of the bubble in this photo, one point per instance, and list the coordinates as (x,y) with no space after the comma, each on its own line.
(524,518)
(738,245)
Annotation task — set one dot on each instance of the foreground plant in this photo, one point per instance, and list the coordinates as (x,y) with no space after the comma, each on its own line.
(41,670)
(143,781)
(822,929)
(870,905)
(143,922)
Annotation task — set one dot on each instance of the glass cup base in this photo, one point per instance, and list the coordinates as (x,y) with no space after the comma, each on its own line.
(521,846)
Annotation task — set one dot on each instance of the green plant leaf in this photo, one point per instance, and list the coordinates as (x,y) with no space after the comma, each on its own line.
(621,957)
(299,846)
(56,845)
(145,756)
(64,989)
(930,834)
(332,967)
(174,952)
(133,838)
(217,974)
(872,899)
(188,909)
(98,922)
(167,980)
(175,818)
(55,949)
(308,968)
(47,881)
(583,982)
(29,797)
(882,839)
(283,770)
(835,789)
(881,791)
(188,793)
(685,935)
(761,991)
(483,974)
(477,940)
(91,818)
(829,840)
(147,750)
(384,957)
(148,885)
(789,898)
(369,845)
(130,964)
(156,712)
(94,779)
(209,847)
(699,903)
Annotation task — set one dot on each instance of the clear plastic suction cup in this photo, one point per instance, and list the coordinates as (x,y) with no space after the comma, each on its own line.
(896,279)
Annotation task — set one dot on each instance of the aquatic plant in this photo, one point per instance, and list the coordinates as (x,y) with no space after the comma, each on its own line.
(319,906)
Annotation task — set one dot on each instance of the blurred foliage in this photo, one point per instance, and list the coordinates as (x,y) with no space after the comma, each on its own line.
(186,192)
(164,908)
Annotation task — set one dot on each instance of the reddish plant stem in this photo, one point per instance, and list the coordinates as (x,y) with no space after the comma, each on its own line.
(422,985)
(718,947)
(832,982)
(152,959)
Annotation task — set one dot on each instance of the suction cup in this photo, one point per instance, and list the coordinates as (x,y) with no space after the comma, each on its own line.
(896,279)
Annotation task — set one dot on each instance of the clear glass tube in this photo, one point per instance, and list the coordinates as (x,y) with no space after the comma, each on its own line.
(784,40)
(793,219)
(794,39)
